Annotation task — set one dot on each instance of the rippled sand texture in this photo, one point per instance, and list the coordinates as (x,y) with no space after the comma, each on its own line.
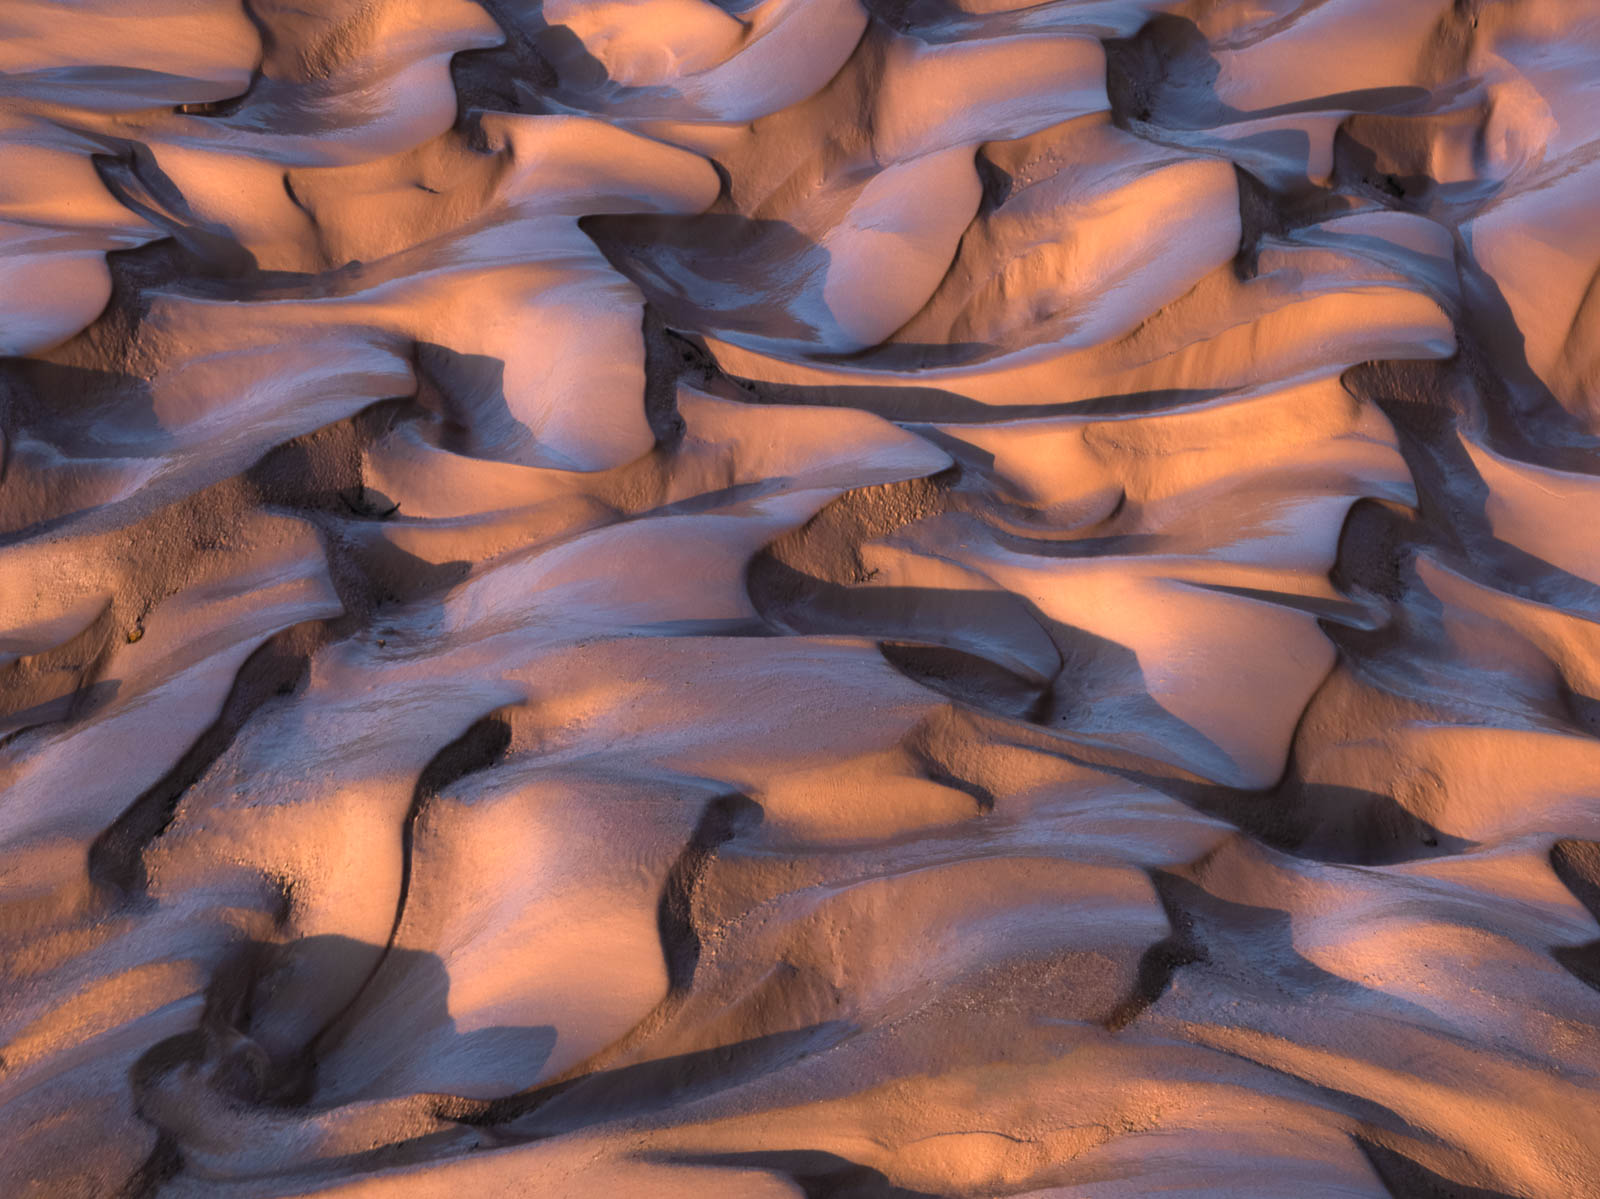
(668,598)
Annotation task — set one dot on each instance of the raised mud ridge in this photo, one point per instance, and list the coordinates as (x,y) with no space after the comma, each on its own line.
(760,598)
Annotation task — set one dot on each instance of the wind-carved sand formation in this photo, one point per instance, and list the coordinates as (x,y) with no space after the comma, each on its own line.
(670,598)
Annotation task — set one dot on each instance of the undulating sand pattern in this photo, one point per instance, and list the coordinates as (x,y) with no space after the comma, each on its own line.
(818,598)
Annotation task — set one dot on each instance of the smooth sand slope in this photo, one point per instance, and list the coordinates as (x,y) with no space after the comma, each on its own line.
(810,598)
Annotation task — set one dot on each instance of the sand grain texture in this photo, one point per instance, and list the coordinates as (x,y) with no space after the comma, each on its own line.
(812,598)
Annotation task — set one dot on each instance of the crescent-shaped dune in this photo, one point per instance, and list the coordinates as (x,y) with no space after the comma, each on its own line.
(834,599)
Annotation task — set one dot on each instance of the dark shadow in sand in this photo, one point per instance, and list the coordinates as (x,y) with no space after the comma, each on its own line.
(1251,948)
(819,1175)
(1098,691)
(219,1067)
(1577,865)
(1165,76)
(1406,1178)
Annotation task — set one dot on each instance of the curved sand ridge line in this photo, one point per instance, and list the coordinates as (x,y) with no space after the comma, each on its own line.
(786,598)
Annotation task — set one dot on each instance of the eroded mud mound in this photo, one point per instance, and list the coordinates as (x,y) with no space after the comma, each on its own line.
(799,598)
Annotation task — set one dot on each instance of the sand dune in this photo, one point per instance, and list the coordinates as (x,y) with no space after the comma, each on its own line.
(850,598)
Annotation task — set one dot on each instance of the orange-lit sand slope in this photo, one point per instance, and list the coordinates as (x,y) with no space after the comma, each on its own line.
(755,598)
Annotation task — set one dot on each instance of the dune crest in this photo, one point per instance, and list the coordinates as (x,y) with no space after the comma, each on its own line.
(799,598)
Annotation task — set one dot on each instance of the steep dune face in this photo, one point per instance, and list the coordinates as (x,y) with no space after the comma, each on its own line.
(800,598)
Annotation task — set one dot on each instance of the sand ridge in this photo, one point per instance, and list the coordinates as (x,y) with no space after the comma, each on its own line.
(836,598)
